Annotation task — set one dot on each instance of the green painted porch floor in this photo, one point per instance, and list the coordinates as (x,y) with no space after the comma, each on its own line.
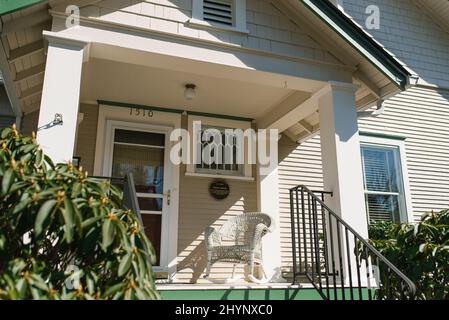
(286,293)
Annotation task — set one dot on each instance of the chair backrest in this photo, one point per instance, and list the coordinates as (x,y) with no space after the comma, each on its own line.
(239,228)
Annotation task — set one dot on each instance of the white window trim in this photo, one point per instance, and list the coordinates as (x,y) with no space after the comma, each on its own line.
(224,123)
(400,145)
(198,21)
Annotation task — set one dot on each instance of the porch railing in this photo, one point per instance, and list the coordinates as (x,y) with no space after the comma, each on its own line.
(337,261)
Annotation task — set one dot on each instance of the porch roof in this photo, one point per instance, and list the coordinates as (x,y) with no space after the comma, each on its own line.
(360,40)
(373,57)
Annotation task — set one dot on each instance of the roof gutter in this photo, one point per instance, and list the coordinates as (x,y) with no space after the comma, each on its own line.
(360,41)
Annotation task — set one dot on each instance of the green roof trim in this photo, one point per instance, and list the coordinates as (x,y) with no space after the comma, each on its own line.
(171,110)
(360,41)
(10,6)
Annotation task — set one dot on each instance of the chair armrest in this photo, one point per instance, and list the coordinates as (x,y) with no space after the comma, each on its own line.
(213,237)
(260,230)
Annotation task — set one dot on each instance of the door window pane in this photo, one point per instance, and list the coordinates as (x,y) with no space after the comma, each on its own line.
(139,137)
(152,224)
(146,165)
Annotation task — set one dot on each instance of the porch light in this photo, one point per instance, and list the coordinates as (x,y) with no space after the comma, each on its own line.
(190,93)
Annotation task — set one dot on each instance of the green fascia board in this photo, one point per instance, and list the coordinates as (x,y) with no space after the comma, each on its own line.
(9,6)
(171,110)
(360,41)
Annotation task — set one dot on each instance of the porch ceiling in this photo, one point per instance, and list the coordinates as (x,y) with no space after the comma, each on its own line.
(22,53)
(121,82)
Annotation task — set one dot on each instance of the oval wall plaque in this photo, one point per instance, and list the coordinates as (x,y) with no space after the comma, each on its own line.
(219,190)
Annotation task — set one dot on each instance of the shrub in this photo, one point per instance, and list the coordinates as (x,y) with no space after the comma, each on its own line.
(63,234)
(420,251)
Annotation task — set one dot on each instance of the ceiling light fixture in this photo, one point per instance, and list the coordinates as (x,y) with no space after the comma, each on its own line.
(190,92)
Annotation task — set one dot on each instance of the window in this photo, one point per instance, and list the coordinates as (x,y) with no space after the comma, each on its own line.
(383,183)
(219,14)
(223,157)
(220,148)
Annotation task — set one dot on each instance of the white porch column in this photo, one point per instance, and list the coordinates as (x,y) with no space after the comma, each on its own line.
(60,95)
(341,155)
(342,169)
(268,202)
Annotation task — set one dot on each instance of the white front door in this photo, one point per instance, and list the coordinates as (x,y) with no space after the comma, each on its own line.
(143,151)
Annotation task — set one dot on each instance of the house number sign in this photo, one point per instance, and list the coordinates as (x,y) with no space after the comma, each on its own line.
(219,190)
(143,113)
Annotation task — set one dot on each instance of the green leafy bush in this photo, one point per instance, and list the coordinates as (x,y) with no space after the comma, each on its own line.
(420,251)
(63,234)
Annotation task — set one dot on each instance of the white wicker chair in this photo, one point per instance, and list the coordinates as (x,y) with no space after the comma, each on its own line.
(239,240)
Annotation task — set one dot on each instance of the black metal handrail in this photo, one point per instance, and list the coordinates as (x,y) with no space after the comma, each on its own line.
(337,261)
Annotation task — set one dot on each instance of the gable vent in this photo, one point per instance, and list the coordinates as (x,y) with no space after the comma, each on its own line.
(219,11)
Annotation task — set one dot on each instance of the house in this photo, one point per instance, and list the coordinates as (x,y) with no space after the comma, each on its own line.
(357,90)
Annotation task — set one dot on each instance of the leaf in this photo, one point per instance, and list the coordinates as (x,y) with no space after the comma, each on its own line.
(6,132)
(89,222)
(125,264)
(69,218)
(108,232)
(42,219)
(39,158)
(8,180)
(114,289)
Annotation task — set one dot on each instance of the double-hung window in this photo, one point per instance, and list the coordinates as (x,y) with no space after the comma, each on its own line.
(385,193)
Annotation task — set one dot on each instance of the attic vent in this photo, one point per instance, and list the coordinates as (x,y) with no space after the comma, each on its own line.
(219,11)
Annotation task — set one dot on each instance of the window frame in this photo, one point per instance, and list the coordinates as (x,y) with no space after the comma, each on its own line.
(401,157)
(192,170)
(239,26)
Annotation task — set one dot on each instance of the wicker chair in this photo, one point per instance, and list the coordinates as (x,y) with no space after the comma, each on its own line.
(238,241)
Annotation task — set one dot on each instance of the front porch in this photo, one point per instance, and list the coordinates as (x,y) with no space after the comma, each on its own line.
(122,105)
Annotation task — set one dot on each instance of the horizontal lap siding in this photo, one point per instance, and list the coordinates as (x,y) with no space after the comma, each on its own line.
(198,210)
(422,116)
(298,165)
(87,134)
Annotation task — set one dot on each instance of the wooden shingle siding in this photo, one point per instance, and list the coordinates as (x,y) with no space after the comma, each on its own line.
(269,29)
(420,115)
(409,32)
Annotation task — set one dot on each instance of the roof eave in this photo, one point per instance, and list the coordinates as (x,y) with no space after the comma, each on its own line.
(9,6)
(360,41)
